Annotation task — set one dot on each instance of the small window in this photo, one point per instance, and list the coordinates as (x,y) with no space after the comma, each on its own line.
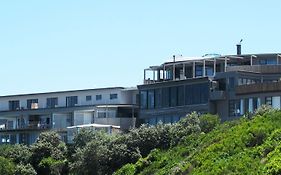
(113,96)
(98,97)
(88,98)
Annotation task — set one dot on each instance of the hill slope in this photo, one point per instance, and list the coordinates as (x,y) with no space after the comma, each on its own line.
(243,146)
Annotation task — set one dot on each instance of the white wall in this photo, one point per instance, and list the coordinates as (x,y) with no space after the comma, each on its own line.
(124,97)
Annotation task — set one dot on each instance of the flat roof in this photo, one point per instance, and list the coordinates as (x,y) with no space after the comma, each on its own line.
(67,91)
(95,125)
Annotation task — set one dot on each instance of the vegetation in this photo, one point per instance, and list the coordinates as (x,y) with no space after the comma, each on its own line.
(194,145)
(250,145)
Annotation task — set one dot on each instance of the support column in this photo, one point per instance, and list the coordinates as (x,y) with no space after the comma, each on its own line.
(277,61)
(204,68)
(183,71)
(174,71)
(164,77)
(251,60)
(153,75)
(215,67)
(144,72)
(225,64)
(193,69)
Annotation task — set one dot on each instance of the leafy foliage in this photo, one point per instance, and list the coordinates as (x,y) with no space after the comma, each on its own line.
(245,146)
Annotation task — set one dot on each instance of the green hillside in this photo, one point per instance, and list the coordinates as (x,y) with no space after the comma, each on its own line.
(250,145)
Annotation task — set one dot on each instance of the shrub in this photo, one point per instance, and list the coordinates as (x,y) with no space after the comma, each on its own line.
(6,166)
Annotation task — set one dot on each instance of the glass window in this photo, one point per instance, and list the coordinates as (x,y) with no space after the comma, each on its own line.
(173,96)
(180,95)
(14,105)
(113,96)
(143,99)
(88,98)
(32,103)
(268,101)
(276,102)
(198,71)
(52,102)
(234,108)
(150,101)
(71,101)
(165,97)
(98,97)
(209,71)
(158,101)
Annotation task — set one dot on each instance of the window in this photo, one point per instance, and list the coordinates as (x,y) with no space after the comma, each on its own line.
(234,108)
(88,98)
(173,96)
(196,93)
(71,101)
(158,97)
(113,96)
(14,105)
(150,99)
(98,97)
(180,94)
(32,104)
(52,102)
(268,101)
(143,99)
(198,71)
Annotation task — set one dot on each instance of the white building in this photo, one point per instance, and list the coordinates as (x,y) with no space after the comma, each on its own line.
(23,117)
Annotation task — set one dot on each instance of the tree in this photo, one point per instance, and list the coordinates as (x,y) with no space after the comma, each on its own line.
(47,145)
(7,167)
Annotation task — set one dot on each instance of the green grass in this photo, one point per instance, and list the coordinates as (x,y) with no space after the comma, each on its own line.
(244,146)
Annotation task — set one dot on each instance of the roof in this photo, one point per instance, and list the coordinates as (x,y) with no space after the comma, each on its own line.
(95,125)
(55,92)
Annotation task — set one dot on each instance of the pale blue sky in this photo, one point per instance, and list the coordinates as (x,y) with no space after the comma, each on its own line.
(68,44)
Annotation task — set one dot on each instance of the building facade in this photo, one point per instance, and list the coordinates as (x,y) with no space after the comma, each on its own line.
(229,86)
(24,117)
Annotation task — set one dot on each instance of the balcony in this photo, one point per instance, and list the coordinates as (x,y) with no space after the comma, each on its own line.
(265,69)
(258,88)
(124,123)
(217,95)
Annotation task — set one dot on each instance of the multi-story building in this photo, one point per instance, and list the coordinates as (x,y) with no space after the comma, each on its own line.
(24,117)
(229,85)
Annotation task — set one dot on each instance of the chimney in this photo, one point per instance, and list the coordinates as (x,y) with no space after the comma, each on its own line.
(174,58)
(238,46)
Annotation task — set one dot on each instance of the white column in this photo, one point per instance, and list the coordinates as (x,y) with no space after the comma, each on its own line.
(164,76)
(204,68)
(251,107)
(242,106)
(183,71)
(174,71)
(225,63)
(193,69)
(215,62)
(251,60)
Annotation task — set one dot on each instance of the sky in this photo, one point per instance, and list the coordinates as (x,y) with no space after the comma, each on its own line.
(56,45)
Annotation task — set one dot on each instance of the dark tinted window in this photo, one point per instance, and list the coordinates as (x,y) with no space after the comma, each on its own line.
(143,99)
(52,102)
(98,97)
(158,99)
(14,105)
(150,99)
(88,98)
(173,96)
(165,97)
(71,101)
(113,96)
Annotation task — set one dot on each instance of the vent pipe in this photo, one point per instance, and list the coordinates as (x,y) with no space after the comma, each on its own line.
(238,46)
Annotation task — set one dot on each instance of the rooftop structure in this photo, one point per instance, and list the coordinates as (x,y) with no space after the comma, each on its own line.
(228,85)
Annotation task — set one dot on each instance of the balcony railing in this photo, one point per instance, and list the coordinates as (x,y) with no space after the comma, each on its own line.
(265,69)
(258,88)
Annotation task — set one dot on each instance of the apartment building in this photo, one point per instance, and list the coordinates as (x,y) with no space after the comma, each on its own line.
(227,85)
(23,117)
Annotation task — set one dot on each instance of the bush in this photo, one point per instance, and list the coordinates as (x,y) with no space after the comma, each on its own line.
(6,166)
(208,122)
(25,170)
